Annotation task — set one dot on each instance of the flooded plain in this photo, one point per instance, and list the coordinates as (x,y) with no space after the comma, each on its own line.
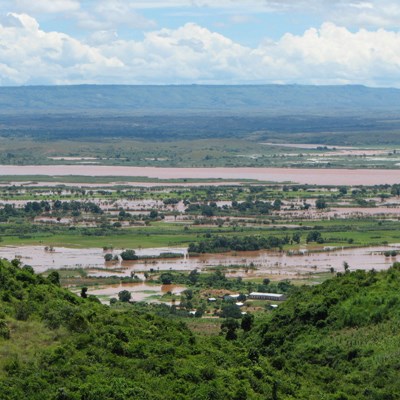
(139,291)
(298,175)
(245,264)
(69,258)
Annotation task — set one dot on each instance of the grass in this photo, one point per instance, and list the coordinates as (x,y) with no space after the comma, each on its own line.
(204,326)
(336,233)
(117,241)
(26,338)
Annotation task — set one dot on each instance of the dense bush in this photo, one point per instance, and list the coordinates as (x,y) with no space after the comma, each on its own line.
(337,340)
(220,244)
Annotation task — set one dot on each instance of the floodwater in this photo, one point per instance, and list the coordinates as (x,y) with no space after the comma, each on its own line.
(139,291)
(341,213)
(298,175)
(260,263)
(63,257)
(309,146)
(72,158)
(273,263)
(337,150)
(117,183)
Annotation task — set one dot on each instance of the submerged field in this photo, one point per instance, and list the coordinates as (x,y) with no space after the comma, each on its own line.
(250,231)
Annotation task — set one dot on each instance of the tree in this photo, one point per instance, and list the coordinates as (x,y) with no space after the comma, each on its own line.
(108,257)
(54,277)
(247,322)
(16,263)
(315,236)
(84,292)
(28,268)
(124,296)
(207,211)
(296,237)
(266,281)
(231,311)
(395,191)
(320,203)
(277,205)
(166,278)
(153,214)
(194,276)
(129,255)
(346,267)
(229,326)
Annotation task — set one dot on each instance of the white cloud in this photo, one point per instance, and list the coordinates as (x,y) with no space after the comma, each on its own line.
(355,13)
(47,6)
(194,54)
(30,55)
(106,15)
(114,14)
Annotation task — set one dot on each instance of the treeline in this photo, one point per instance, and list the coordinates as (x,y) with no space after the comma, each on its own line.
(220,244)
(257,207)
(36,208)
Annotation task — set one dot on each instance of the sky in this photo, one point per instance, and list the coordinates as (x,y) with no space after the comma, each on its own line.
(324,42)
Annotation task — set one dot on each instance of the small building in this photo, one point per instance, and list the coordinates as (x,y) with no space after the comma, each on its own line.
(212,299)
(231,297)
(267,296)
(239,304)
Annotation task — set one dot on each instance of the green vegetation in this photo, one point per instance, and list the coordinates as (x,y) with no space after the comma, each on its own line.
(220,244)
(338,340)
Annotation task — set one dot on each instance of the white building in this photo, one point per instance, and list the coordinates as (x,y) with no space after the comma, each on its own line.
(267,296)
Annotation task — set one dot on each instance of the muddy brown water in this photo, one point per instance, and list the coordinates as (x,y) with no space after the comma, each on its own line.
(303,176)
(265,262)
(139,291)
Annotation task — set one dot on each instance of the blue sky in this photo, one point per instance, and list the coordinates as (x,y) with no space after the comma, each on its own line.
(200,41)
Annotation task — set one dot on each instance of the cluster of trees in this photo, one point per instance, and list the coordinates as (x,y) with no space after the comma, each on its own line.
(315,236)
(216,280)
(256,207)
(130,255)
(220,244)
(35,208)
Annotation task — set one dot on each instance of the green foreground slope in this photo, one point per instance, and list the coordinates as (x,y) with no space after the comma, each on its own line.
(336,341)
(339,340)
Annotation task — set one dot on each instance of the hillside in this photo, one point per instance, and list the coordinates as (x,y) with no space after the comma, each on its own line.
(338,340)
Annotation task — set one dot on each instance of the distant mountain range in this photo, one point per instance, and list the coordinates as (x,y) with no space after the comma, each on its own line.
(264,99)
(308,114)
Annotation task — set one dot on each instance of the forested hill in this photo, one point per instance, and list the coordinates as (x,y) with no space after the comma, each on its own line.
(268,99)
(339,340)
